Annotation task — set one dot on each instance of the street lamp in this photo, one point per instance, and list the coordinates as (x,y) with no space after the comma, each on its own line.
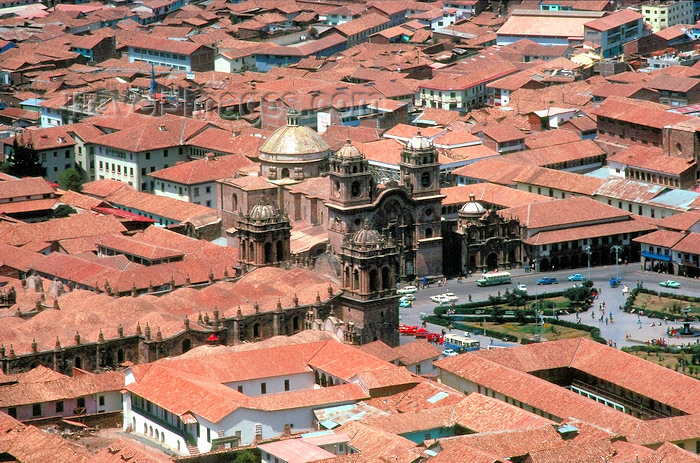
(587,249)
(617,248)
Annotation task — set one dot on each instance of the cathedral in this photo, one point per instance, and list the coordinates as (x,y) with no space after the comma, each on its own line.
(312,207)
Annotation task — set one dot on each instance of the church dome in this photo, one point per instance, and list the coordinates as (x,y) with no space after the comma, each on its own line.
(419,142)
(472,208)
(294,140)
(367,235)
(263,212)
(348,152)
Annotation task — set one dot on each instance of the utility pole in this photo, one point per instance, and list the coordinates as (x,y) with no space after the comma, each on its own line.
(617,248)
(587,249)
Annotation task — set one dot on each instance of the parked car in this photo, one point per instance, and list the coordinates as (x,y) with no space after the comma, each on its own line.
(449,353)
(408,297)
(576,277)
(670,284)
(615,282)
(404,304)
(521,287)
(445,298)
(422,333)
(410,289)
(547,281)
(434,337)
(406,329)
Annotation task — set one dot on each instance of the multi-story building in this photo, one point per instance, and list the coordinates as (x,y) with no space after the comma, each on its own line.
(546,27)
(195,181)
(461,91)
(54,145)
(623,123)
(175,54)
(608,34)
(662,14)
(129,155)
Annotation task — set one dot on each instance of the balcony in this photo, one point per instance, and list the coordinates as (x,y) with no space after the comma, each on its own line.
(160,422)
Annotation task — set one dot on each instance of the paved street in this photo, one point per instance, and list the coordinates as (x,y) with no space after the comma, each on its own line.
(623,323)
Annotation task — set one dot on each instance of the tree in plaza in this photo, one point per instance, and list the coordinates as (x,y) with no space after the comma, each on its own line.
(70,179)
(24,160)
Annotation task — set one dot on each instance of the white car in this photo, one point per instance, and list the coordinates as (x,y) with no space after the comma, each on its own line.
(449,353)
(407,290)
(521,287)
(408,297)
(444,298)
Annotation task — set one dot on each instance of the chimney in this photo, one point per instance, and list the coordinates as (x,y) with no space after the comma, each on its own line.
(162,128)
(210,156)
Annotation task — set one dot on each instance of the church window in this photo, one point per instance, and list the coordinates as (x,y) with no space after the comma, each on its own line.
(425,180)
(355,189)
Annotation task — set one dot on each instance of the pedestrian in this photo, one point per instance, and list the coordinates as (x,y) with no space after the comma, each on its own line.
(470,297)
(592,314)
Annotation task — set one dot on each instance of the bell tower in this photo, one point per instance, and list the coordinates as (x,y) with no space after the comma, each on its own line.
(369,266)
(420,177)
(420,168)
(263,237)
(351,180)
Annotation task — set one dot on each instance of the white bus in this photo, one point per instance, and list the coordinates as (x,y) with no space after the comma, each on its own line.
(494,278)
(460,343)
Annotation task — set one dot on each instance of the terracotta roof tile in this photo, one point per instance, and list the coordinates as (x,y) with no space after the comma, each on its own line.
(490,194)
(652,158)
(74,226)
(572,211)
(417,351)
(203,170)
(559,179)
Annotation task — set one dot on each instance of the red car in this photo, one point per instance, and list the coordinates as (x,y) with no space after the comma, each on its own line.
(422,333)
(434,337)
(405,329)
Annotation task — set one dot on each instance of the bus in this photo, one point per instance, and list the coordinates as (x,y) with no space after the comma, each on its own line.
(460,343)
(494,278)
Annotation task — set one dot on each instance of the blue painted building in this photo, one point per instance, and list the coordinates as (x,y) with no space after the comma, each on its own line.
(285,55)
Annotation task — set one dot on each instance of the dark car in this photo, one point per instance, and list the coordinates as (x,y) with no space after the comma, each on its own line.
(615,282)
(547,281)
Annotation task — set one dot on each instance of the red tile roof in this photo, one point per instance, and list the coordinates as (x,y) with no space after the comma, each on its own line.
(170,208)
(490,194)
(494,169)
(21,188)
(589,231)
(44,138)
(582,150)
(30,388)
(154,133)
(652,158)
(645,114)
(74,226)
(203,170)
(361,24)
(559,179)
(32,445)
(572,211)
(613,20)
(150,42)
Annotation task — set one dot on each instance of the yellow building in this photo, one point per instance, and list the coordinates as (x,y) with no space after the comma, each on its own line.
(660,15)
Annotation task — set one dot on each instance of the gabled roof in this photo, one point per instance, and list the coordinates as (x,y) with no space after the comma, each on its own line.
(569,212)
(652,158)
(22,188)
(613,20)
(206,170)
(559,179)
(154,133)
